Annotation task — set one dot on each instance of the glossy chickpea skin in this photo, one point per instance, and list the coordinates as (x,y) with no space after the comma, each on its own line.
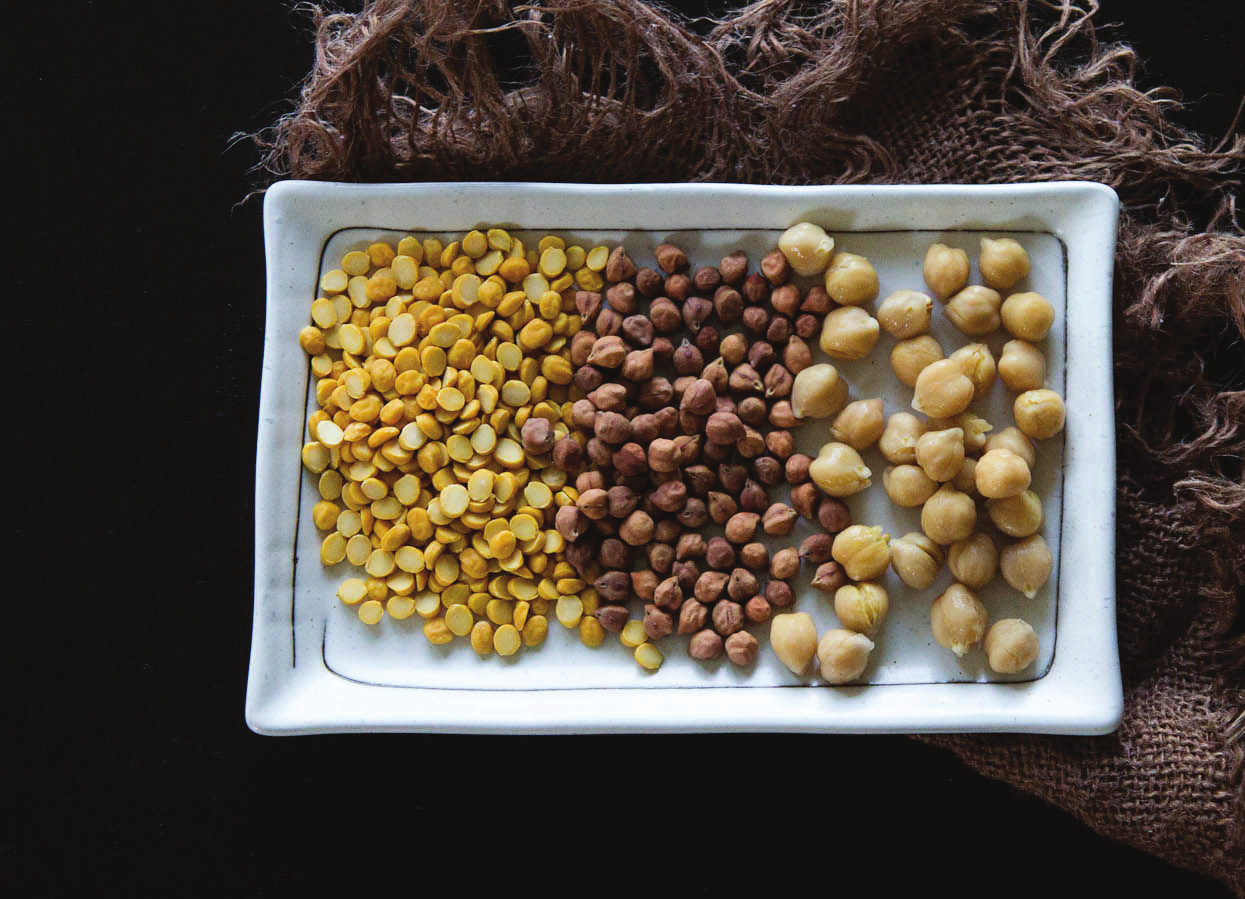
(978,365)
(849,332)
(940,454)
(908,486)
(973,561)
(860,424)
(899,438)
(905,314)
(862,607)
(839,470)
(945,270)
(851,280)
(958,619)
(975,310)
(1026,565)
(1028,316)
(1011,645)
(948,516)
(1016,516)
(863,551)
(916,559)
(912,356)
(808,248)
(942,390)
(793,637)
(818,391)
(1000,473)
(1002,262)
(1039,413)
(843,655)
(1022,366)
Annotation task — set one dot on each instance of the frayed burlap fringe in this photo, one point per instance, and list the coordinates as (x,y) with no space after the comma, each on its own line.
(972,91)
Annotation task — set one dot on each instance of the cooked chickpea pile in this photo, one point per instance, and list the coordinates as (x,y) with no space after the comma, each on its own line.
(443,378)
(497,444)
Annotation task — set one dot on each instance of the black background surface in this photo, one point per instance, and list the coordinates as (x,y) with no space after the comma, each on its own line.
(137,317)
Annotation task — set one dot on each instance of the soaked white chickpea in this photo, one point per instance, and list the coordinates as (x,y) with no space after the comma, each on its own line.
(908,486)
(899,438)
(849,332)
(1026,564)
(862,607)
(945,269)
(958,619)
(1016,516)
(851,280)
(975,310)
(843,655)
(977,364)
(1022,366)
(807,247)
(912,356)
(1002,262)
(916,559)
(1000,473)
(905,314)
(942,390)
(948,516)
(940,454)
(860,424)
(1013,439)
(1039,413)
(974,560)
(1011,645)
(1028,316)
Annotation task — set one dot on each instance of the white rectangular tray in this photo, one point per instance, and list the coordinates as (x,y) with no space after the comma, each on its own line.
(315,668)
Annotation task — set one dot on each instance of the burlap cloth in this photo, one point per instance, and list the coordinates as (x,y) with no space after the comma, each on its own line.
(915,91)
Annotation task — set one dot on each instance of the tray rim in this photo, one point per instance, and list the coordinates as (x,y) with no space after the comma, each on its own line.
(291,692)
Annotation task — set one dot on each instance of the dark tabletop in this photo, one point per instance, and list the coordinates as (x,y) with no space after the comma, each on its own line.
(129,768)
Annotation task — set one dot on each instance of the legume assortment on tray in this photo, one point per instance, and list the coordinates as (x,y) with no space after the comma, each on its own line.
(507,434)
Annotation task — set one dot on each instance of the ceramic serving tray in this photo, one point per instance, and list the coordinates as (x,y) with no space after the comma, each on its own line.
(316,668)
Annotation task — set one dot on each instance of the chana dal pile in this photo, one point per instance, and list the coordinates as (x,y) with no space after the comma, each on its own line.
(508,434)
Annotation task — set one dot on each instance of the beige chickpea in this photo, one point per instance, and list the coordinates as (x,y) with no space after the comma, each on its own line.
(965,479)
(975,310)
(974,560)
(1011,645)
(863,551)
(843,655)
(908,486)
(1016,516)
(1039,413)
(916,559)
(942,390)
(941,453)
(1014,439)
(807,247)
(839,470)
(977,364)
(1002,262)
(948,515)
(945,270)
(905,314)
(862,607)
(899,439)
(1027,564)
(1001,473)
(1028,316)
(851,280)
(1022,366)
(860,424)
(818,391)
(958,619)
(793,637)
(912,356)
(973,425)
(849,333)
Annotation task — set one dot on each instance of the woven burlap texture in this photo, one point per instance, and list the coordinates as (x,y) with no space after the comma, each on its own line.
(970,91)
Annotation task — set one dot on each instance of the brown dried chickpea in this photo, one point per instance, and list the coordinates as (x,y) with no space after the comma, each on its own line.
(1016,516)
(1000,473)
(940,454)
(948,515)
(1039,413)
(1011,645)
(1013,439)
(839,470)
(973,560)
(905,314)
(1028,316)
(863,551)
(849,332)
(945,270)
(899,439)
(977,363)
(860,424)
(1002,262)
(916,559)
(958,619)
(1026,564)
(862,607)
(843,655)
(851,280)
(912,356)
(908,486)
(975,310)
(1022,366)
(942,390)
